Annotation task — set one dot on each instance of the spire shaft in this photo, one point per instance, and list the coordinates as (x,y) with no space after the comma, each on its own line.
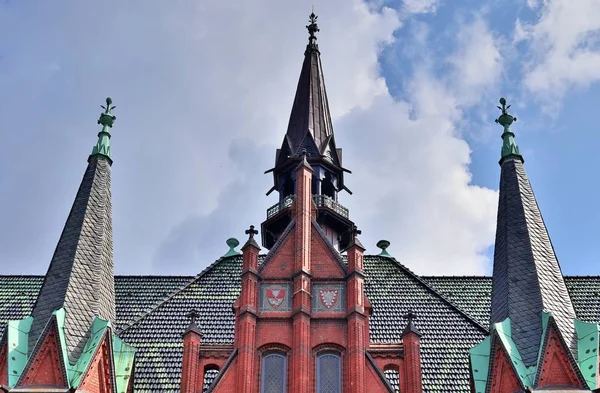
(80,277)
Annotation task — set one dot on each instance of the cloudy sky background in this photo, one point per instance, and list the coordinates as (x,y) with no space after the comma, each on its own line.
(204,89)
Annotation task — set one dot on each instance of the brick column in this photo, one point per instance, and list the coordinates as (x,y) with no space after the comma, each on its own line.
(191,356)
(411,341)
(246,323)
(301,298)
(355,307)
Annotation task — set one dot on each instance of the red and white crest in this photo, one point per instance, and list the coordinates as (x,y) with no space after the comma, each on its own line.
(275,297)
(329,297)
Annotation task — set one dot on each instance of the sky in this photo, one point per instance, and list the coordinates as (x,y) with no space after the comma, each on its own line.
(204,89)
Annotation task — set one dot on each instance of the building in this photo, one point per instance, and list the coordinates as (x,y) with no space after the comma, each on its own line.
(312,315)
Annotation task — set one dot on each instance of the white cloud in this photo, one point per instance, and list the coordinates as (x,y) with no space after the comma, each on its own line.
(564,50)
(204,92)
(421,6)
(477,63)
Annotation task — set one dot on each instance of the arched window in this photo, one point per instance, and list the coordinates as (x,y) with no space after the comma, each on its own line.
(329,373)
(274,372)
(393,377)
(210,373)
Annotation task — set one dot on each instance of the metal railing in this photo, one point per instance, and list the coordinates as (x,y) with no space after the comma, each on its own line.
(325,201)
(276,208)
(320,201)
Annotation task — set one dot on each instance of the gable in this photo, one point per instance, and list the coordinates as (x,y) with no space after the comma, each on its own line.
(556,369)
(504,378)
(98,376)
(47,367)
(280,264)
(323,263)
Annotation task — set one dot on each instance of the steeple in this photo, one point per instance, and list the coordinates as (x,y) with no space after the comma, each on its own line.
(309,138)
(80,278)
(527,279)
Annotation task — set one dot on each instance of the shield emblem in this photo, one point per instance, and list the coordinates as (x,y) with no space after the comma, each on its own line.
(275,297)
(329,297)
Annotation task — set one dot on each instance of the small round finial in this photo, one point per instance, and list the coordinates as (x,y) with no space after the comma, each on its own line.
(232,242)
(383,244)
(502,101)
(108,101)
(107,119)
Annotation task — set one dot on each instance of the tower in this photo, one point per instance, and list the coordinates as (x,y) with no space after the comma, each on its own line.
(302,317)
(536,340)
(310,133)
(68,341)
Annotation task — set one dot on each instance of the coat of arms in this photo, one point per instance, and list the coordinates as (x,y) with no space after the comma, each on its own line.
(275,297)
(328,297)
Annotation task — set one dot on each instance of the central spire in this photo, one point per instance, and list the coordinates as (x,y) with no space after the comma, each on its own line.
(309,138)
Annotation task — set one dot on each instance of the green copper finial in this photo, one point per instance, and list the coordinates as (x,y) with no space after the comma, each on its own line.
(509,147)
(232,243)
(107,119)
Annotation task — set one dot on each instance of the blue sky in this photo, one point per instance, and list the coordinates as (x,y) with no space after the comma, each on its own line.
(203,93)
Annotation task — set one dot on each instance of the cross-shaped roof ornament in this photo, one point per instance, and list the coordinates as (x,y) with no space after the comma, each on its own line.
(355,231)
(193,315)
(411,316)
(251,232)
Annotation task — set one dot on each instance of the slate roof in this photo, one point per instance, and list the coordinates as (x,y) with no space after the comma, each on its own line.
(80,277)
(527,277)
(450,310)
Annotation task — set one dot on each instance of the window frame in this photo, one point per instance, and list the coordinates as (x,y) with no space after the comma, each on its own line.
(319,356)
(264,356)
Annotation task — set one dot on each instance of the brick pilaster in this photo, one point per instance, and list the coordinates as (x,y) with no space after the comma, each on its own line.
(191,359)
(246,323)
(357,324)
(301,300)
(412,362)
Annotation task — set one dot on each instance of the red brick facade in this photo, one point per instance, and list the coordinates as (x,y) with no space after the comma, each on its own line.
(302,262)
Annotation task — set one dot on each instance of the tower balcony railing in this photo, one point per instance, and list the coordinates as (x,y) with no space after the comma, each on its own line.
(320,201)
(279,206)
(325,201)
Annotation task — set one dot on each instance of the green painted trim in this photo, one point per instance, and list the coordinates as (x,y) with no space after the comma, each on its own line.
(504,331)
(480,364)
(98,331)
(60,316)
(123,355)
(18,347)
(587,351)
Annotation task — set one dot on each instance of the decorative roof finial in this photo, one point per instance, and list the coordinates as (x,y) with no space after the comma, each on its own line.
(193,326)
(505,119)
(107,119)
(410,326)
(232,242)
(251,232)
(509,147)
(312,29)
(384,244)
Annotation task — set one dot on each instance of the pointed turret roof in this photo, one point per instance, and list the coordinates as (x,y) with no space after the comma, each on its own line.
(80,278)
(310,124)
(527,279)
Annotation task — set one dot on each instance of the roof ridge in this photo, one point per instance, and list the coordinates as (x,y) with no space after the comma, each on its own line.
(169,297)
(441,296)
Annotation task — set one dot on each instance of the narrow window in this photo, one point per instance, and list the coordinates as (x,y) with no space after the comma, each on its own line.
(329,373)
(393,377)
(273,373)
(210,373)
